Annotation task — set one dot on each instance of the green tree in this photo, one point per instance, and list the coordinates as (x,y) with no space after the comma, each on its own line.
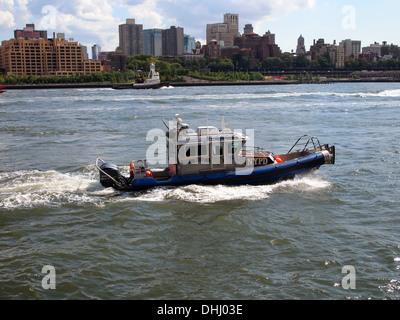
(287,61)
(240,61)
(324,61)
(301,61)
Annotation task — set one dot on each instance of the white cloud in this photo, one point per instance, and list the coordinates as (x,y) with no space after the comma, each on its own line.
(6,19)
(273,7)
(90,21)
(146,13)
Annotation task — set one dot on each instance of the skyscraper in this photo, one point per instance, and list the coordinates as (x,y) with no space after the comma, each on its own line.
(189,44)
(225,32)
(173,41)
(95,52)
(351,48)
(152,42)
(131,38)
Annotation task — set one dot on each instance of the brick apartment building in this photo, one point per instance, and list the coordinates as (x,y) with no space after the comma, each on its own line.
(42,57)
(255,47)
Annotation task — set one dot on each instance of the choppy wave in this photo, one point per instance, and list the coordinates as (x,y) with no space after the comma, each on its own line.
(156,97)
(212,194)
(27,189)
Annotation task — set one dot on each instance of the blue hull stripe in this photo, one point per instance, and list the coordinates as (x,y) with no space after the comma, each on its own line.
(258,175)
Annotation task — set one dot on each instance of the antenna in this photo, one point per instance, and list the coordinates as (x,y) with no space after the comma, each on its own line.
(164,122)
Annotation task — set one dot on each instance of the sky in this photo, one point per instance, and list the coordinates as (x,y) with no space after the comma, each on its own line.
(92,22)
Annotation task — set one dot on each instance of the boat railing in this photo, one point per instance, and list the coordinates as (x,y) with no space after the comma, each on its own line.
(306,141)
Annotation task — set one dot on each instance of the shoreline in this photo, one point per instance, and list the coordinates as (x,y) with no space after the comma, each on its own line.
(195,84)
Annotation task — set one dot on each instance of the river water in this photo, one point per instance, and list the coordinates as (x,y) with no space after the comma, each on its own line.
(330,234)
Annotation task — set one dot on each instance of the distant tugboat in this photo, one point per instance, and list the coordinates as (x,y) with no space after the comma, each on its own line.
(209,156)
(2,88)
(152,82)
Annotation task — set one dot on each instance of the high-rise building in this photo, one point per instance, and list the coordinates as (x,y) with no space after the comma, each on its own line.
(301,48)
(131,38)
(152,42)
(44,57)
(336,55)
(96,49)
(189,44)
(173,41)
(225,32)
(352,48)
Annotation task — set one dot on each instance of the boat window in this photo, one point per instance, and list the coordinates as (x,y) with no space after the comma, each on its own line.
(218,150)
(203,153)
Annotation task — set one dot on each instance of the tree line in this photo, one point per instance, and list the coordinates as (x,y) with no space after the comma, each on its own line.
(174,69)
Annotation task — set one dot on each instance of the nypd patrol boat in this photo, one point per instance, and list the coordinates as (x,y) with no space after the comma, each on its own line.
(212,156)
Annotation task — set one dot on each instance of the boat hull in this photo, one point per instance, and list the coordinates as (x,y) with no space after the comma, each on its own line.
(258,175)
(123,86)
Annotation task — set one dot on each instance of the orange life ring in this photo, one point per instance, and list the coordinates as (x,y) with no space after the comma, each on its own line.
(278,159)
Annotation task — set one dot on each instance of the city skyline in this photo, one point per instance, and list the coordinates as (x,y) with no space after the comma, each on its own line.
(90,22)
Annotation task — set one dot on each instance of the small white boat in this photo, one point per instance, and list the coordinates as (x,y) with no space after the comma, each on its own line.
(152,81)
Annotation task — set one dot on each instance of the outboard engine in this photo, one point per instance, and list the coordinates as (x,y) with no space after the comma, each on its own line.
(111,177)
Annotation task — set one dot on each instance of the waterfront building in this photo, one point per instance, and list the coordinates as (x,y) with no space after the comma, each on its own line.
(212,49)
(317,48)
(173,41)
(44,57)
(301,48)
(336,55)
(116,60)
(131,38)
(152,42)
(352,48)
(225,32)
(333,51)
(373,49)
(392,51)
(256,48)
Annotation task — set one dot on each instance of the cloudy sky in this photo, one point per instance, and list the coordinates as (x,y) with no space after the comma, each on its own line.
(96,21)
